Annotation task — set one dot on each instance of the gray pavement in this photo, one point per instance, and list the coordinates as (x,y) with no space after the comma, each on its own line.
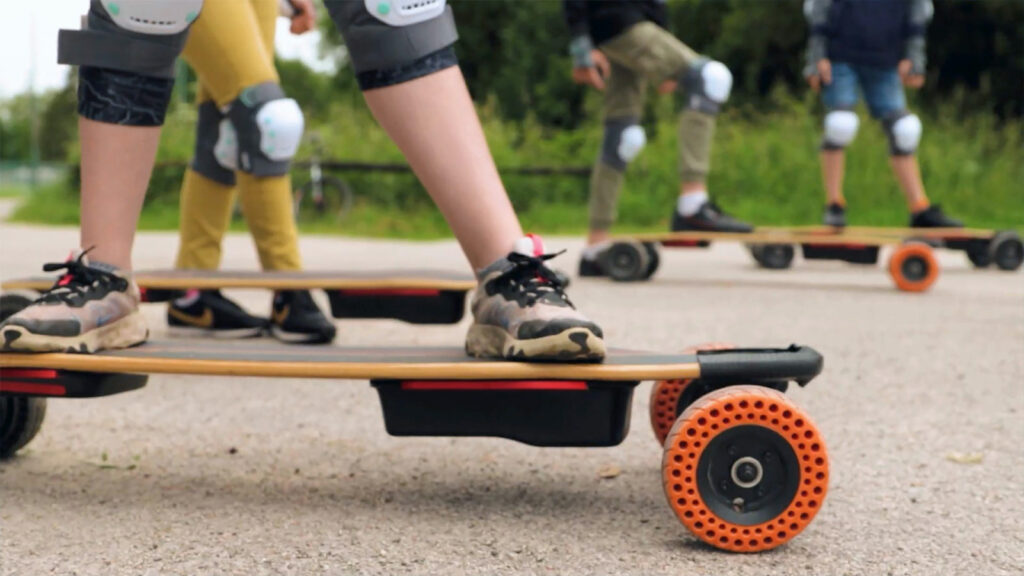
(921,403)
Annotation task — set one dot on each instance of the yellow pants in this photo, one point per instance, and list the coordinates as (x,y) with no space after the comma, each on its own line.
(231,47)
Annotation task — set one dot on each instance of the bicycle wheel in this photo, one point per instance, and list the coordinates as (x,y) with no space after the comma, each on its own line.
(335,202)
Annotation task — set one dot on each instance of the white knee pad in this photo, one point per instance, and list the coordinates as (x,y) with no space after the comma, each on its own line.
(717,81)
(404,12)
(280,123)
(631,142)
(708,85)
(262,132)
(623,141)
(904,133)
(840,129)
(152,16)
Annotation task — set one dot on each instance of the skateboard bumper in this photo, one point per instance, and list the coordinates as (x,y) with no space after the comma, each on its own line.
(66,383)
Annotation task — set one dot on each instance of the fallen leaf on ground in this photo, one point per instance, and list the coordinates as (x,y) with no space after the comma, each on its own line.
(965,457)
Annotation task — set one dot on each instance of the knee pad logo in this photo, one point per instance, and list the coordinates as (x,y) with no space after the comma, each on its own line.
(157,18)
(404,12)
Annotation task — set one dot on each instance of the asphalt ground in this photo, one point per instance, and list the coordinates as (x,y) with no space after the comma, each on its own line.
(921,404)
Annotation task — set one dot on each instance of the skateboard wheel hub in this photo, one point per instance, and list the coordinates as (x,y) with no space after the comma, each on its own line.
(747,472)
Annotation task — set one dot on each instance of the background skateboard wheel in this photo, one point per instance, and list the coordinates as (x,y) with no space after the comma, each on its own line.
(11,304)
(1006,250)
(625,261)
(745,469)
(913,267)
(654,259)
(20,420)
(669,398)
(773,256)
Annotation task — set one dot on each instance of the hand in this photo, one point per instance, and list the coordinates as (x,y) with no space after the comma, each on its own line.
(595,75)
(910,80)
(823,75)
(305,16)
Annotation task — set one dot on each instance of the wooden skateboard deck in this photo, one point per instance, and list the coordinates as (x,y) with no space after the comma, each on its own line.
(749,456)
(416,296)
(268,359)
(305,280)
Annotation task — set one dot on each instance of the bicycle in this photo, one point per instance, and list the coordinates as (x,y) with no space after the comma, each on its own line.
(321,195)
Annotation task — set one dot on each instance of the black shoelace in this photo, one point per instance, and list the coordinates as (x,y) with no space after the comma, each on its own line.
(74,285)
(529,280)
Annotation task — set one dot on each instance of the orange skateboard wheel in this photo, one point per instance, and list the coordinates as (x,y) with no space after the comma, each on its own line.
(670,397)
(745,469)
(913,267)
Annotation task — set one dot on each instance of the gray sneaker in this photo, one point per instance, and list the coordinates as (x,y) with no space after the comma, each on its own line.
(91,308)
(521,312)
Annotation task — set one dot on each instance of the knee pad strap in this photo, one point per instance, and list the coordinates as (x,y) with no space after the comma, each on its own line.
(210,152)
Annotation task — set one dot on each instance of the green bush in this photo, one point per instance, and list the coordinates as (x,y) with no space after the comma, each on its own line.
(764,168)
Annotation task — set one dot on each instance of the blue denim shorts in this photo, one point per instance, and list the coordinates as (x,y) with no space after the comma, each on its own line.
(882,89)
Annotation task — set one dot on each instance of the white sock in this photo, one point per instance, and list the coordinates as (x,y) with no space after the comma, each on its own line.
(691,202)
(592,251)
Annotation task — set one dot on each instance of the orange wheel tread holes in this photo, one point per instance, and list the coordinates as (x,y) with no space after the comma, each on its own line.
(724,410)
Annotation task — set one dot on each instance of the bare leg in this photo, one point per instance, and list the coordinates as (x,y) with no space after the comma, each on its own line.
(908,174)
(833,164)
(598,236)
(442,139)
(117,162)
(694,187)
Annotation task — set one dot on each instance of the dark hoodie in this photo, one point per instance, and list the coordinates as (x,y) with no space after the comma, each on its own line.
(603,20)
(876,33)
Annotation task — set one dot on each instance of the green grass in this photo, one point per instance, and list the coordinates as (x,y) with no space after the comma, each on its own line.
(765,169)
(14,191)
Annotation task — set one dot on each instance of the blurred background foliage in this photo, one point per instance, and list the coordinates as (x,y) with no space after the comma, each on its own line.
(513,54)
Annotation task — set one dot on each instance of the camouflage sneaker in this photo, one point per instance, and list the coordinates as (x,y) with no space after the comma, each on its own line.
(91,308)
(521,312)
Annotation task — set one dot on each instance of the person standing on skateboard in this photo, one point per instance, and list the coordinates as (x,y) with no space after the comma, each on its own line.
(876,46)
(231,48)
(618,47)
(405,65)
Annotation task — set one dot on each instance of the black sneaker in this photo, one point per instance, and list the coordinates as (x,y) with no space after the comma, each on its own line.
(709,218)
(590,268)
(835,216)
(209,313)
(297,319)
(933,217)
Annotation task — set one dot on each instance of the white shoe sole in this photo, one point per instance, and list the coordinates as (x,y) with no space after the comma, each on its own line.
(124,333)
(571,345)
